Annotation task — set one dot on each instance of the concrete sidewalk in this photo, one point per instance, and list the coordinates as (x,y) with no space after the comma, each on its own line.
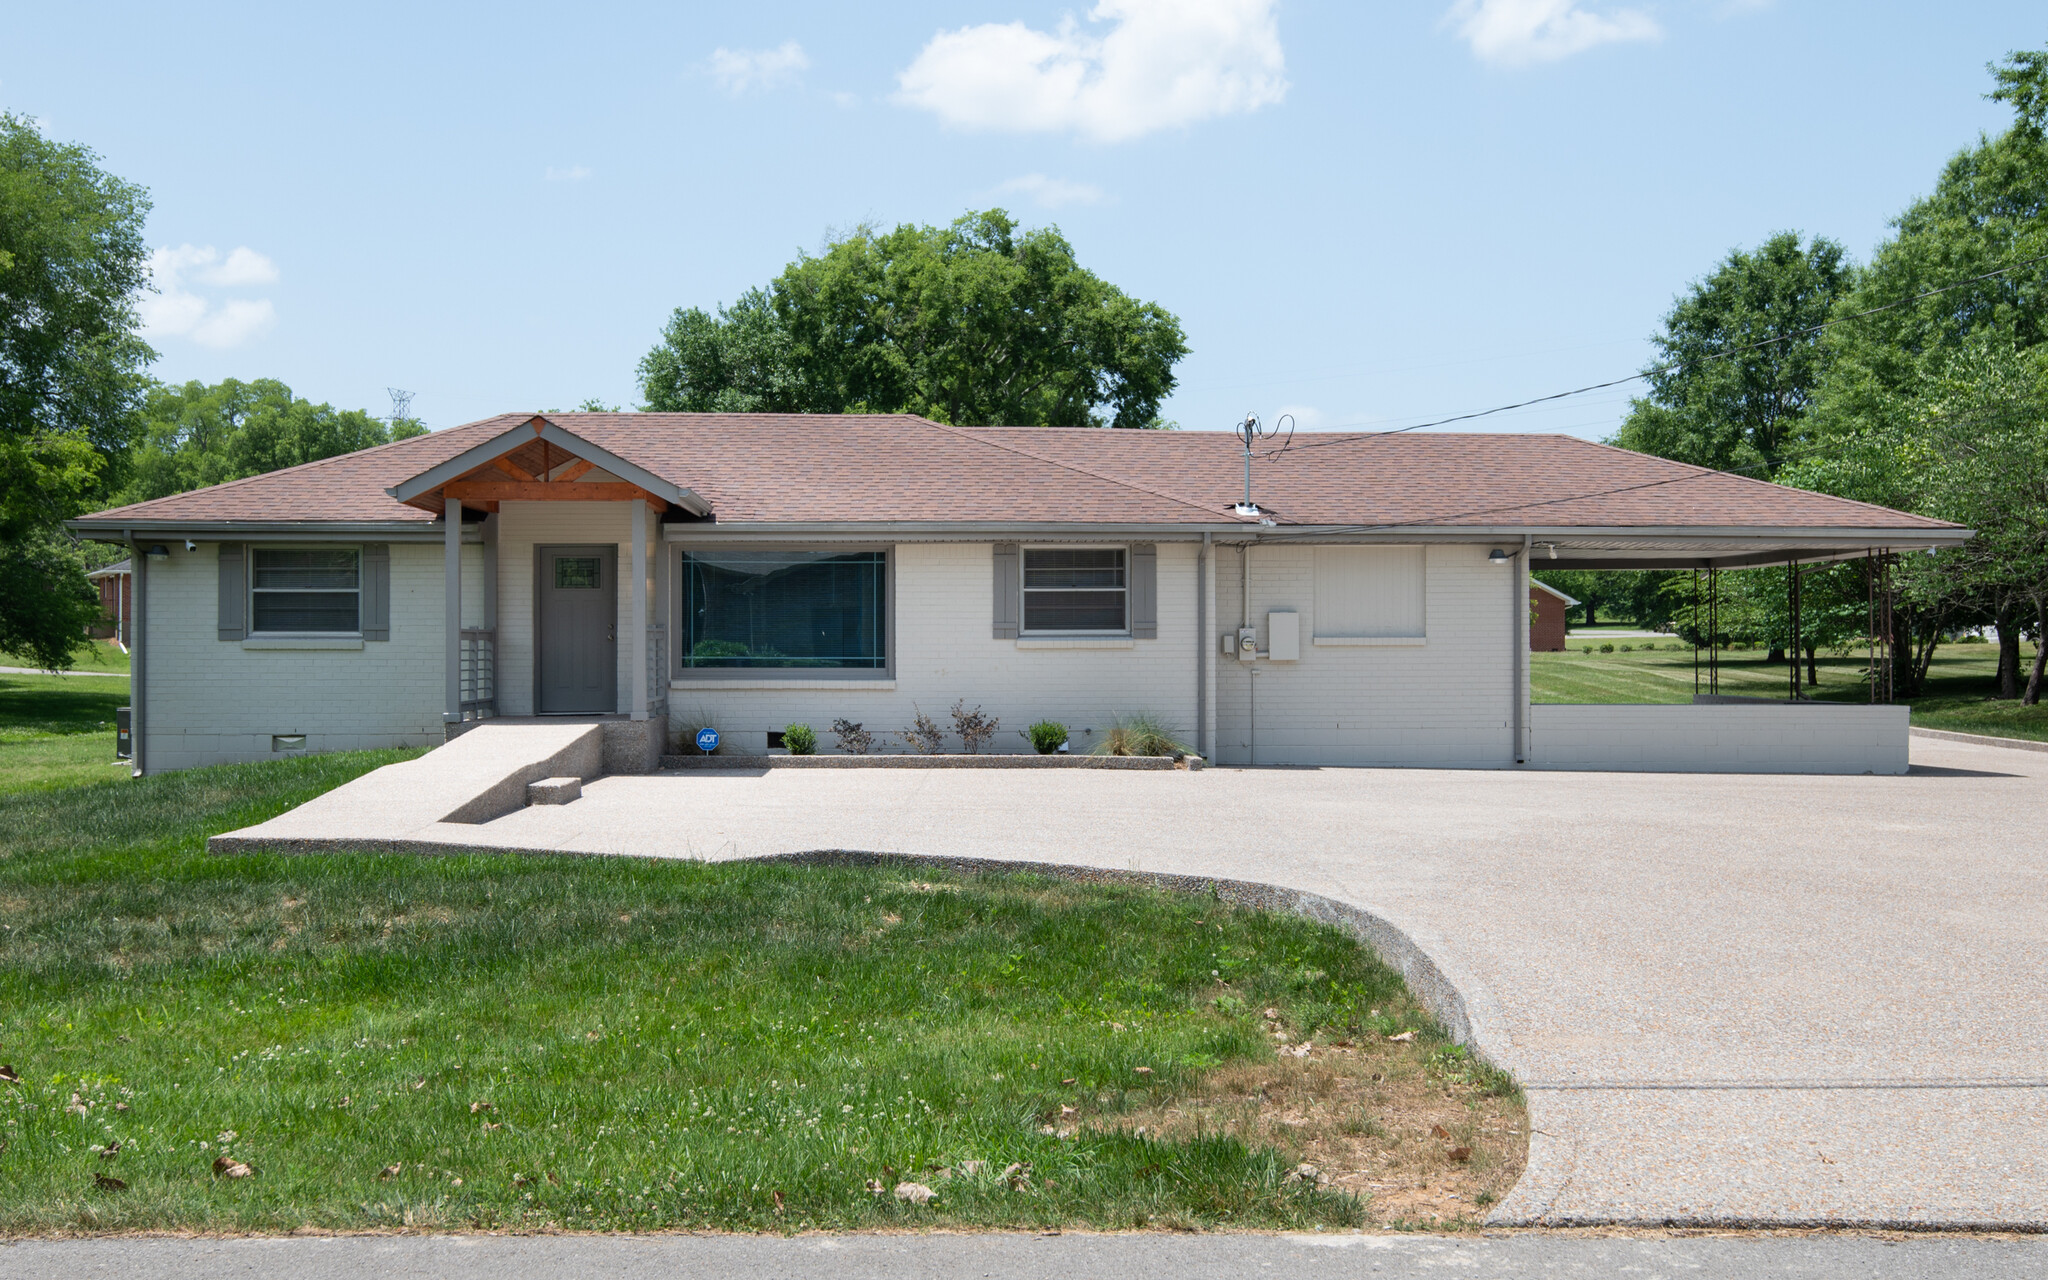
(1734,999)
(1017,1256)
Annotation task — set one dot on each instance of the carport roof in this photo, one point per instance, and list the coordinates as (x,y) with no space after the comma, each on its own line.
(877,474)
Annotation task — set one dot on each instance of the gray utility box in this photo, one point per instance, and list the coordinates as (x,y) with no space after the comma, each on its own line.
(124,737)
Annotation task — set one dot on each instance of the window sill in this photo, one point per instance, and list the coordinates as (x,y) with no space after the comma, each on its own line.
(702,684)
(1372,642)
(303,642)
(1076,642)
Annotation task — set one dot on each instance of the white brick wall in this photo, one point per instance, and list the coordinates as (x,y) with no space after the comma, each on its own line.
(211,701)
(944,651)
(1759,738)
(1443,703)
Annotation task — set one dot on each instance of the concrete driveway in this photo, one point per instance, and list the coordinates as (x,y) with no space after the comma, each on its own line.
(1740,1000)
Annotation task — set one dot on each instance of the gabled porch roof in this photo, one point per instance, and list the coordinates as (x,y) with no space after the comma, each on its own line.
(538,461)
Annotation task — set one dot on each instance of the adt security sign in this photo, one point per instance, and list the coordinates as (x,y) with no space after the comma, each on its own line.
(707,740)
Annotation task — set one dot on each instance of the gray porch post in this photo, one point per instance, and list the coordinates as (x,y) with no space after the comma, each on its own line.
(451,516)
(636,637)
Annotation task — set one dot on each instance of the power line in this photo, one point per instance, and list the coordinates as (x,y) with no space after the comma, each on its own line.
(1667,366)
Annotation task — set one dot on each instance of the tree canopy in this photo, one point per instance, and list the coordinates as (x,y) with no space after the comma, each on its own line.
(197,435)
(72,259)
(974,324)
(1741,356)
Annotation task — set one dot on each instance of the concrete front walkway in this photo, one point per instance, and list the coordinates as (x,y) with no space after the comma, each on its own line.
(1733,999)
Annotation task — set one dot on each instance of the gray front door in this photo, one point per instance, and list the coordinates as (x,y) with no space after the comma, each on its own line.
(576,661)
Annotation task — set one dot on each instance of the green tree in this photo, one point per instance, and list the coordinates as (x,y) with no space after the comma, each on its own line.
(72,259)
(1922,402)
(977,323)
(197,435)
(1740,357)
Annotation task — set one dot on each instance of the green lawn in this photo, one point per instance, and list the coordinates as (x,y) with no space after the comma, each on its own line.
(518,1042)
(1958,697)
(101,655)
(57,731)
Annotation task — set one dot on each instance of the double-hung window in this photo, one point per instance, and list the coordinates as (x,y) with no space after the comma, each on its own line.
(1076,589)
(306,590)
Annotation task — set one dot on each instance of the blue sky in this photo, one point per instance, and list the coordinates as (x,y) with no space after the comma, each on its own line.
(1366,214)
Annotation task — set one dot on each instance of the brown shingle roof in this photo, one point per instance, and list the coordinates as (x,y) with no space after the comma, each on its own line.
(793,468)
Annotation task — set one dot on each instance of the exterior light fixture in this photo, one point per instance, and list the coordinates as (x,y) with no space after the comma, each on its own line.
(1497,556)
(191,545)
(158,552)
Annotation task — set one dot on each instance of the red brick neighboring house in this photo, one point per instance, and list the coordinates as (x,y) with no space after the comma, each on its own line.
(117,602)
(1546,617)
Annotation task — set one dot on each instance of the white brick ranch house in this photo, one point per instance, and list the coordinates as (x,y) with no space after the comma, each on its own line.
(664,570)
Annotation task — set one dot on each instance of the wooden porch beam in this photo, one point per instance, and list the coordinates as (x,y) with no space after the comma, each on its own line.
(543,491)
(574,471)
(512,469)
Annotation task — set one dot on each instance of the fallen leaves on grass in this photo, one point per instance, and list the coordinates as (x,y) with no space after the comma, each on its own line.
(229,1167)
(105,1183)
(915,1192)
(390,1171)
(109,1151)
(7,1074)
(1403,1038)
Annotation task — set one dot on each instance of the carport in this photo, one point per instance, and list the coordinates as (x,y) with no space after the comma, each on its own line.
(1718,733)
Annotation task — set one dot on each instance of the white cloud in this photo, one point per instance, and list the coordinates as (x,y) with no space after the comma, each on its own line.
(178,310)
(1513,33)
(1162,64)
(574,173)
(1051,193)
(738,70)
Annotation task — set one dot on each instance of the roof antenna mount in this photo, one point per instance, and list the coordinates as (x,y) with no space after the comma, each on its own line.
(1251,431)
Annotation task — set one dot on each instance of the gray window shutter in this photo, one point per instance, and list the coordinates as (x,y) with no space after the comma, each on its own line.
(234,592)
(1009,591)
(376,622)
(1145,591)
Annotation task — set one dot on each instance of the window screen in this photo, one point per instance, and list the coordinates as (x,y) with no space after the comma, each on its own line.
(1365,592)
(1075,589)
(306,590)
(774,609)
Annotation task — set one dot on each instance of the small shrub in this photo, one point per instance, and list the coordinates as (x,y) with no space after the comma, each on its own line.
(1740,644)
(1608,647)
(1140,735)
(924,734)
(1586,648)
(801,739)
(1974,638)
(973,727)
(1625,648)
(1650,646)
(853,740)
(1047,736)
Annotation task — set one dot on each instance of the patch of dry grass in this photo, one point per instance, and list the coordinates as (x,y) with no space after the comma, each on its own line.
(1421,1133)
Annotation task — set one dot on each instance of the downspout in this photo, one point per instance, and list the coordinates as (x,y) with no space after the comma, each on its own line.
(1202,648)
(1251,669)
(1518,631)
(138,661)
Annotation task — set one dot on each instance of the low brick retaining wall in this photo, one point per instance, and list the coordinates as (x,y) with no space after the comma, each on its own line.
(929,762)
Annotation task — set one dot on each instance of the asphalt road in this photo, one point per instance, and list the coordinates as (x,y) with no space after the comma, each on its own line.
(1032,1257)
